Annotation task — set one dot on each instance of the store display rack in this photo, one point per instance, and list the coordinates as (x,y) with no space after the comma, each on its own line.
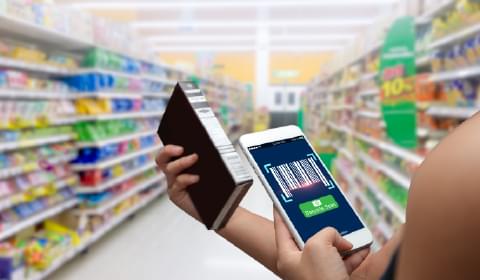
(375,172)
(100,233)
(102,134)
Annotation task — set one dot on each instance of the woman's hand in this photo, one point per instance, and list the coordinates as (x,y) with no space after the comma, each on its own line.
(320,258)
(177,184)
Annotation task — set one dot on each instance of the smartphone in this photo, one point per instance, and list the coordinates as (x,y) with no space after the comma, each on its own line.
(301,187)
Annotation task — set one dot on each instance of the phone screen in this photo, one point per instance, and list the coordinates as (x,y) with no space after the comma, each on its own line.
(304,187)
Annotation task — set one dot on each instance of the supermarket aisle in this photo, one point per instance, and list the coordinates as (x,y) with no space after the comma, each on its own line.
(161,240)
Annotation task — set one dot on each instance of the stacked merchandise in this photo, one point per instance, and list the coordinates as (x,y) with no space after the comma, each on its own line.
(375,172)
(77,133)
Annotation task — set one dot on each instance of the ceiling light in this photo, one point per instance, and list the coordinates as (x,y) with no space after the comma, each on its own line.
(246,38)
(144,5)
(250,23)
(200,38)
(204,48)
(216,48)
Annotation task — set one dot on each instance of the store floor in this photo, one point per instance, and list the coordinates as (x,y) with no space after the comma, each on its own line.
(161,242)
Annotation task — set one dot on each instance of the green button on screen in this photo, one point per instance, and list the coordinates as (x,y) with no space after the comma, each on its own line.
(318,206)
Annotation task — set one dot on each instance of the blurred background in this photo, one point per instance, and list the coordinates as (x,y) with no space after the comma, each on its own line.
(374,84)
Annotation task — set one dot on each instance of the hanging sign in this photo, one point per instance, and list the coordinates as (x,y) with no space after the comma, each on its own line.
(397,80)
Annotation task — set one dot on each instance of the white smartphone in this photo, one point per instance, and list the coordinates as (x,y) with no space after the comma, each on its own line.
(301,187)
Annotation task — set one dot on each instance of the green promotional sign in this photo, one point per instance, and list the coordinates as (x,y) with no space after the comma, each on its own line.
(397,80)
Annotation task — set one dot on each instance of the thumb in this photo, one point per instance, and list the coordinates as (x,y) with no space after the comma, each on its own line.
(331,237)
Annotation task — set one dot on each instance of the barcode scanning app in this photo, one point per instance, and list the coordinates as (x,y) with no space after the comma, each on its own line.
(304,188)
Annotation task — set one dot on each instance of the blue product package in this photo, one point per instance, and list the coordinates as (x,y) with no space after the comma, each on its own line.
(23,210)
(469,92)
(107,173)
(36,205)
(7,267)
(3,79)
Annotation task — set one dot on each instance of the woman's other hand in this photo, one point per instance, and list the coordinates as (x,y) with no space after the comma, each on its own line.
(177,182)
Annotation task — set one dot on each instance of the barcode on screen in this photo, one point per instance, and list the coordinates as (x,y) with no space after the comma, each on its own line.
(297,174)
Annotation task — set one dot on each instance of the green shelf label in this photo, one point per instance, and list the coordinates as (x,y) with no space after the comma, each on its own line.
(318,206)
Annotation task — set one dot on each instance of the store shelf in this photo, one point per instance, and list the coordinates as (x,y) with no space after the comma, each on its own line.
(348,177)
(340,107)
(164,95)
(393,174)
(99,210)
(26,94)
(115,181)
(39,33)
(339,128)
(437,9)
(116,160)
(381,225)
(344,151)
(114,140)
(369,92)
(23,144)
(33,220)
(30,66)
(452,112)
(69,181)
(423,61)
(107,95)
(391,148)
(456,37)
(463,73)
(368,76)
(138,76)
(34,166)
(393,207)
(119,116)
(97,235)
(347,86)
(368,114)
(17,198)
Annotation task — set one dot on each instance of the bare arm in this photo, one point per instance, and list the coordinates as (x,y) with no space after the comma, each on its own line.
(254,235)
(249,232)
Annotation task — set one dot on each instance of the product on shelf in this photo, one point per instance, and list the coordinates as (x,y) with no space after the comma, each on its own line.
(92,200)
(98,154)
(94,177)
(29,53)
(101,130)
(87,106)
(464,13)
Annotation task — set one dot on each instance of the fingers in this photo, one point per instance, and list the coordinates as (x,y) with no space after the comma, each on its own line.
(330,236)
(355,260)
(183,181)
(176,167)
(166,154)
(283,238)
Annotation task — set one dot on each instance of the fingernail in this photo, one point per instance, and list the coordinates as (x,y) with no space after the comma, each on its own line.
(195,178)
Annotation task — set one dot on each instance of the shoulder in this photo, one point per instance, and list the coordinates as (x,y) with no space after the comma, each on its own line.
(443,213)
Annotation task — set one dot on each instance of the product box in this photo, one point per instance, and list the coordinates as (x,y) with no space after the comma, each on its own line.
(191,123)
